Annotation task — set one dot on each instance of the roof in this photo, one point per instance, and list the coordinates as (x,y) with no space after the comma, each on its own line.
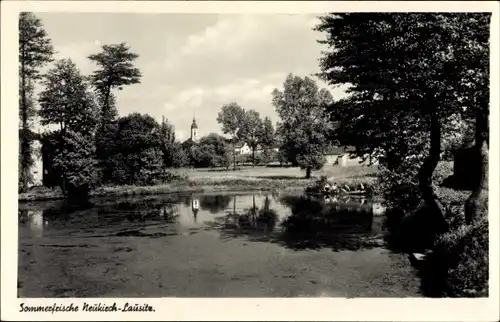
(189,142)
(194,125)
(337,150)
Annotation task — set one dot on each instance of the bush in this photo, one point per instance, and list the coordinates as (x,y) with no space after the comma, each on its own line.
(443,170)
(75,160)
(465,251)
(399,187)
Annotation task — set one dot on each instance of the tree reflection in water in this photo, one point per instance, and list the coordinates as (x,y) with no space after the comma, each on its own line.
(252,221)
(313,223)
(215,203)
(165,211)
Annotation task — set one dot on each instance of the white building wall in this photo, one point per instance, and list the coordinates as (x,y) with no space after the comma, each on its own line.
(37,168)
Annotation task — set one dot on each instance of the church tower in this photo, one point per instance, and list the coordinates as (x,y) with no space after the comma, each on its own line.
(194,131)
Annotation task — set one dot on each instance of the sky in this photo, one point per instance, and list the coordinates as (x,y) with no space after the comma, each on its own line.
(192,64)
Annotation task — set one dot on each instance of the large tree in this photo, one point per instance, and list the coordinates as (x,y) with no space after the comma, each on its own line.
(173,154)
(232,118)
(405,72)
(266,138)
(115,69)
(136,157)
(473,54)
(304,125)
(35,51)
(67,103)
(252,127)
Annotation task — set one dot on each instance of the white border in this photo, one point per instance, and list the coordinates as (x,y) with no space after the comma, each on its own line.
(319,309)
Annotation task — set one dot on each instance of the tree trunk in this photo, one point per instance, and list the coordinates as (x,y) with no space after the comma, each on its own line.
(234,156)
(425,175)
(24,149)
(477,204)
(308,173)
(253,157)
(106,102)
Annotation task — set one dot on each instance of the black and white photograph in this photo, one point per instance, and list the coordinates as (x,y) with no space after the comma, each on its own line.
(243,155)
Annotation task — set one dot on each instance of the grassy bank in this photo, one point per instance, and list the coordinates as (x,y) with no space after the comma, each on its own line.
(248,179)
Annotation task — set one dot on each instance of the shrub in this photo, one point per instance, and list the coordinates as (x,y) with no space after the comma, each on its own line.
(443,170)
(75,160)
(465,251)
(399,187)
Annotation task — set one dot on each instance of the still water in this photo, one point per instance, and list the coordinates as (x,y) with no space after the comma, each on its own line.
(208,245)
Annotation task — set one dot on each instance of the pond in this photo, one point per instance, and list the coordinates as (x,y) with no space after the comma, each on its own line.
(209,245)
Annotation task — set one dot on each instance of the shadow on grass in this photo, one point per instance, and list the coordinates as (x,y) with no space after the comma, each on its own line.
(416,233)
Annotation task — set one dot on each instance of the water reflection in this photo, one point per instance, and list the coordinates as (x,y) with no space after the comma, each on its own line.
(195,207)
(316,223)
(252,219)
(292,221)
(215,203)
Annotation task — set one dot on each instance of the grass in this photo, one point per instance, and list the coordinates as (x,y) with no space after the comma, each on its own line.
(211,180)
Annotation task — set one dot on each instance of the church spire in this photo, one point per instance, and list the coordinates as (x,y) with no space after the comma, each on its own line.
(194,130)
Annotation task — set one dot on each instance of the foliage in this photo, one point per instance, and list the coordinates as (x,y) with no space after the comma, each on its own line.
(211,151)
(232,118)
(35,48)
(136,157)
(399,187)
(304,126)
(173,154)
(115,69)
(465,252)
(266,156)
(252,128)
(75,159)
(458,132)
(391,91)
(410,74)
(67,102)
(266,134)
(35,51)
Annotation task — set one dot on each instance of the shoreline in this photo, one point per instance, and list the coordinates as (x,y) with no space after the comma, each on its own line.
(190,185)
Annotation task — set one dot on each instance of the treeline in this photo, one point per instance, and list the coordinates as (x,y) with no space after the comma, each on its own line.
(302,131)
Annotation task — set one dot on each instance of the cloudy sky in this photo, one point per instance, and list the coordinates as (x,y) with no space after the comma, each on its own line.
(195,63)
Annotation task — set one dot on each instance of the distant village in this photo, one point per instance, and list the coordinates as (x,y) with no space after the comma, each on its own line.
(335,156)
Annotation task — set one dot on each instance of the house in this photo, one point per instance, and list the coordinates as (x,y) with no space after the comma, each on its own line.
(242,148)
(341,156)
